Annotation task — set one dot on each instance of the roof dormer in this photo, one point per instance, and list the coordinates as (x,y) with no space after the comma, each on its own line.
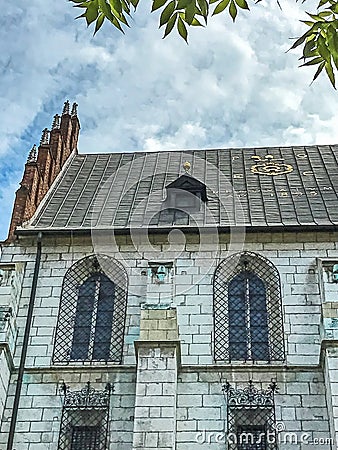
(186,193)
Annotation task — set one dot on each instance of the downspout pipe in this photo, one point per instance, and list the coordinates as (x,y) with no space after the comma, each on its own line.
(25,343)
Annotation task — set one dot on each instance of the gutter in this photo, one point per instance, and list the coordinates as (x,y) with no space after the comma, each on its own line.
(20,231)
(25,344)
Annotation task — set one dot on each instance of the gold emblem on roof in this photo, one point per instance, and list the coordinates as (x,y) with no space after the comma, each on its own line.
(268,165)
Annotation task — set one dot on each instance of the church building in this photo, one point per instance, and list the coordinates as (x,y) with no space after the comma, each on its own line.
(171,300)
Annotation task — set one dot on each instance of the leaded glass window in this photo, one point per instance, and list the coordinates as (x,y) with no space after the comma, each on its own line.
(93,318)
(92,312)
(247,310)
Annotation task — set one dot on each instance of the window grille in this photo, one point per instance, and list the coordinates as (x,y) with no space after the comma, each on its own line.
(85,419)
(251,418)
(92,312)
(248,321)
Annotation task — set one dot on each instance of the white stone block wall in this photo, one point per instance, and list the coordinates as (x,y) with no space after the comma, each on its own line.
(295,256)
(190,291)
(300,406)
(41,402)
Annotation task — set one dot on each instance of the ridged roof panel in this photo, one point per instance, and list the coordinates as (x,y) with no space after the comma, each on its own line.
(128,189)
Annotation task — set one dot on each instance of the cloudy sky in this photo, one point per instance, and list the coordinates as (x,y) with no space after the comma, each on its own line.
(234,85)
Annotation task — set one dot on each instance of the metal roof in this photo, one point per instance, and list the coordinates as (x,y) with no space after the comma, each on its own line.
(255,187)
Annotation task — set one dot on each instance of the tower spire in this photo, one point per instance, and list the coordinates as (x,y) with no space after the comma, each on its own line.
(74,109)
(66,107)
(32,154)
(56,122)
(44,137)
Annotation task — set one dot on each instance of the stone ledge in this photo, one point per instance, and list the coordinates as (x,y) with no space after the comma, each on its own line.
(75,369)
(252,368)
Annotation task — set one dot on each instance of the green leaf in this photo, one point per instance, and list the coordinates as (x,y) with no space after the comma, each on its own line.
(313,61)
(182,4)
(106,10)
(126,7)
(325,14)
(233,10)
(167,12)
(170,25)
(203,4)
(315,17)
(334,8)
(182,29)
(322,49)
(330,74)
(320,68)
(307,22)
(242,4)
(196,23)
(300,40)
(221,7)
(158,4)
(91,13)
(190,13)
(99,23)
(117,5)
(116,24)
(332,40)
(310,49)
(134,3)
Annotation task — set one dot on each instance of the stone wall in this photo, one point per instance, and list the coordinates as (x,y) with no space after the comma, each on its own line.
(301,401)
(190,291)
(41,403)
(301,411)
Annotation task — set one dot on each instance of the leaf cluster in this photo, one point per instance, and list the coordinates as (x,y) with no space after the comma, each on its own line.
(115,11)
(174,13)
(320,41)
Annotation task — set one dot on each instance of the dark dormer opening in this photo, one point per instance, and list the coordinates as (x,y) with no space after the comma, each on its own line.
(186,193)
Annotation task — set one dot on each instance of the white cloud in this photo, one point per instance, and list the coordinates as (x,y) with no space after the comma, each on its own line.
(233,85)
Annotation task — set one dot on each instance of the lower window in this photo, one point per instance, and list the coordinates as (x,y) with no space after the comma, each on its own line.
(85,419)
(251,418)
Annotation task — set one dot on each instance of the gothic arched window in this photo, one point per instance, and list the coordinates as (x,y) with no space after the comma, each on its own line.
(92,312)
(248,321)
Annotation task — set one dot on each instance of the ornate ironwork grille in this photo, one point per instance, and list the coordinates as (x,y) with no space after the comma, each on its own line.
(85,419)
(92,312)
(251,418)
(248,320)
